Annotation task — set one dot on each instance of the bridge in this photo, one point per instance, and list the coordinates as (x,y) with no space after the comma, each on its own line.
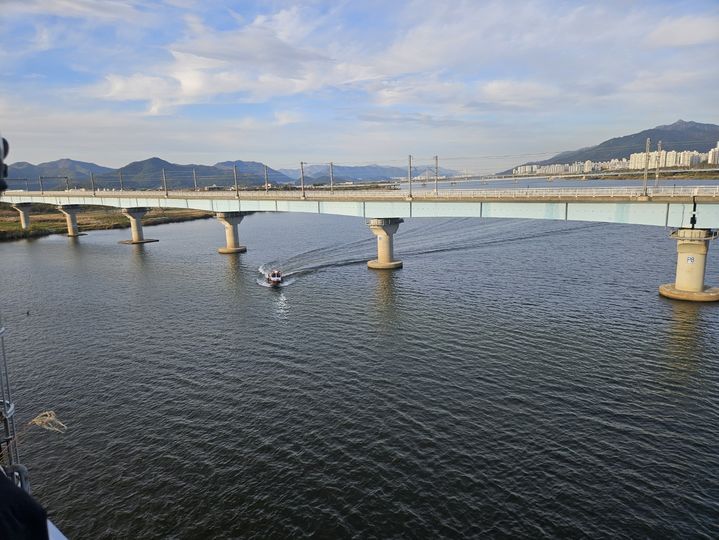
(692,210)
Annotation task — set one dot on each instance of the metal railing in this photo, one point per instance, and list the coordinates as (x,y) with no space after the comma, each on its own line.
(624,193)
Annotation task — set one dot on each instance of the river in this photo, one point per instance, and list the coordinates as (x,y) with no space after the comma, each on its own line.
(516,379)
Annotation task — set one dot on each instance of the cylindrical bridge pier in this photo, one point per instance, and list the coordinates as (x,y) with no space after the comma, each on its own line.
(135,216)
(231,220)
(70,211)
(24,210)
(384,229)
(692,249)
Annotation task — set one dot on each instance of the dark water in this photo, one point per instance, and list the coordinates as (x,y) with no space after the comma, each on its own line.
(515,379)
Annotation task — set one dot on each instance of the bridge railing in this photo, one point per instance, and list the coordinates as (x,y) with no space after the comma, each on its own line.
(599,192)
(394,194)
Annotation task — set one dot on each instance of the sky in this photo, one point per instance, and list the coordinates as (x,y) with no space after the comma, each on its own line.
(484,85)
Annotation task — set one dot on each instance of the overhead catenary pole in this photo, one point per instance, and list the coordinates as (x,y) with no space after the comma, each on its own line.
(267,183)
(302,178)
(436,173)
(332,177)
(659,158)
(67,183)
(409,175)
(119,172)
(92,182)
(164,182)
(646,165)
(234,173)
(42,189)
(194,178)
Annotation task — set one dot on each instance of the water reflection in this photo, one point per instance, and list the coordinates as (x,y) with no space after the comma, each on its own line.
(685,336)
(139,256)
(385,296)
(282,307)
(233,269)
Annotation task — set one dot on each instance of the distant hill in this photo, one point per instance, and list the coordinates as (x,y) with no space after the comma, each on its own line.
(60,167)
(362,173)
(680,135)
(148,173)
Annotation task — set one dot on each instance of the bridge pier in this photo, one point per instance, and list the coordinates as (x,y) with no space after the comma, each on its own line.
(70,212)
(24,211)
(692,248)
(231,220)
(135,216)
(384,229)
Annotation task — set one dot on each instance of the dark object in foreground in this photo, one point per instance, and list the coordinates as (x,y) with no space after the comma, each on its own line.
(21,517)
(3,165)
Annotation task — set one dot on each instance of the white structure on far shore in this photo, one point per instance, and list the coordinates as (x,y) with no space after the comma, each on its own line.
(636,161)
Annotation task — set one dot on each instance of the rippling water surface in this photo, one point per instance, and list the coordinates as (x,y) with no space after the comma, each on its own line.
(516,378)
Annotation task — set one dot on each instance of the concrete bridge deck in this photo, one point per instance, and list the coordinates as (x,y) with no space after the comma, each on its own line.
(663,206)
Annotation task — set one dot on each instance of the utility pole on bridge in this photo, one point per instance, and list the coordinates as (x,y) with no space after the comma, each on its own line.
(234,174)
(646,166)
(302,178)
(409,175)
(659,157)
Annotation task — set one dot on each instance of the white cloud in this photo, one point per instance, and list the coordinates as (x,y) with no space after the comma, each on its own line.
(289,25)
(138,87)
(106,10)
(517,93)
(685,31)
(650,82)
(461,70)
(282,118)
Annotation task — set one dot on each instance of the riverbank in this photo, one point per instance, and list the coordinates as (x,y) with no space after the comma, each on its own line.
(664,174)
(45,220)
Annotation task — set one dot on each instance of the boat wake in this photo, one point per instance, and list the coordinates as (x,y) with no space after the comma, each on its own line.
(262,281)
(416,240)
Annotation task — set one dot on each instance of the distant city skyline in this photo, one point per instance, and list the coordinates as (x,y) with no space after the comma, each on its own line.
(478,83)
(635,161)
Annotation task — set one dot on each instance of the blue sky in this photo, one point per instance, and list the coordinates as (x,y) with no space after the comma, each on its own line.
(354,82)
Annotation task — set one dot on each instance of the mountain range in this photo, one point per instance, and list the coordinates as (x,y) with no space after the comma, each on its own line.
(363,172)
(680,135)
(148,173)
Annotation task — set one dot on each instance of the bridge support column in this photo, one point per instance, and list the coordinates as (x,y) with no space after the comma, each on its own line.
(384,229)
(231,220)
(692,248)
(70,212)
(24,211)
(135,216)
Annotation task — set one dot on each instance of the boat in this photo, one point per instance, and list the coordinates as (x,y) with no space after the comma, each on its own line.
(274,278)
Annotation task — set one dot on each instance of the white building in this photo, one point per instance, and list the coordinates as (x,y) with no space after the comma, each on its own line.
(713,155)
(636,161)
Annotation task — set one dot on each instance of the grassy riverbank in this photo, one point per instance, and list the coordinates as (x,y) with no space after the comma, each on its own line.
(45,220)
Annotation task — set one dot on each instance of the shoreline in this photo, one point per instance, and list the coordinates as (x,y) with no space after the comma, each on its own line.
(48,223)
(663,175)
